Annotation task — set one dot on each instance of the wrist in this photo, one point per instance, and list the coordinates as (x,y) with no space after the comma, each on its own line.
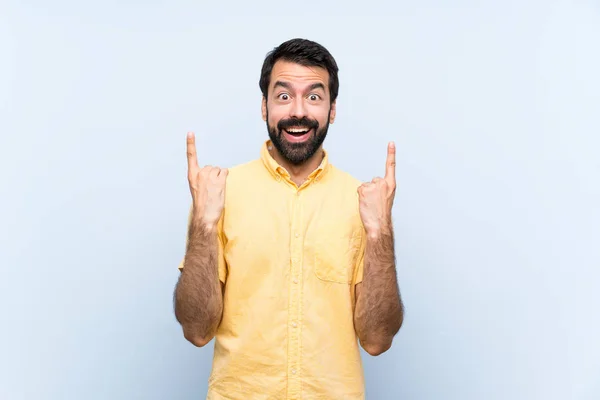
(208,227)
(376,232)
(201,222)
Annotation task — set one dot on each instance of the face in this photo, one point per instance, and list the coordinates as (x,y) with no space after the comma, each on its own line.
(298,110)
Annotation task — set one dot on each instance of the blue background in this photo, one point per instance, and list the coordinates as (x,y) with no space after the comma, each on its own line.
(494,110)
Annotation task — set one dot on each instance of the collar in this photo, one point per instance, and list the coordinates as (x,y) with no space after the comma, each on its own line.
(278,172)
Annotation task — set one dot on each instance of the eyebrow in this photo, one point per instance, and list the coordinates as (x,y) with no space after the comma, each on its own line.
(317,85)
(286,85)
(282,84)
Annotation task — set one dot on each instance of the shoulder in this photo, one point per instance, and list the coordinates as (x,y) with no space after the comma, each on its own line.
(244,177)
(342,194)
(344,179)
(241,172)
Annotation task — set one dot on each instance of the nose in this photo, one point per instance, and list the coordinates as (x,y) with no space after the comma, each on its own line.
(298,109)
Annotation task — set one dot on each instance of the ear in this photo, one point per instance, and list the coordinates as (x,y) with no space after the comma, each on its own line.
(264,108)
(332,113)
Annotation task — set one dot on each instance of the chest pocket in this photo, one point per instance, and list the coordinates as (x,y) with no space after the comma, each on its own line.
(337,249)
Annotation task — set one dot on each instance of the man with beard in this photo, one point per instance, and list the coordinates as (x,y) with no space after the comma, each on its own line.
(289,261)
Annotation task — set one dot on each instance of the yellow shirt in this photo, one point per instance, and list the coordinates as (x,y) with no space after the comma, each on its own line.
(290,257)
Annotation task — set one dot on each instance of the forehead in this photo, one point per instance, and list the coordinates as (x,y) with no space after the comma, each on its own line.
(298,75)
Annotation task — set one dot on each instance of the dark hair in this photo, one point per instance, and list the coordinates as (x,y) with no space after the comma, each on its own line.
(304,52)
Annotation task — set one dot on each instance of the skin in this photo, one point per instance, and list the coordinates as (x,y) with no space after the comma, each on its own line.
(379,310)
(198,295)
(299,99)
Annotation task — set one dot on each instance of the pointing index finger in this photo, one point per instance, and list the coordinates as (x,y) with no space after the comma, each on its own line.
(390,164)
(191,151)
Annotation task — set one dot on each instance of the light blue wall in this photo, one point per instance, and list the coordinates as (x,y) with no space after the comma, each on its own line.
(494,108)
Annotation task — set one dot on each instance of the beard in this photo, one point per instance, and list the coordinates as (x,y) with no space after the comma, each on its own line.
(298,153)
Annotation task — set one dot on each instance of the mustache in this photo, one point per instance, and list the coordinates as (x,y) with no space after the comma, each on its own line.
(297,122)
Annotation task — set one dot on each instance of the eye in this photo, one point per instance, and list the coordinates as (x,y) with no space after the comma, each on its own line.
(283,96)
(314,97)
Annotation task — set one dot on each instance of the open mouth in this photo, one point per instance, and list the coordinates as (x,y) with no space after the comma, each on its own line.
(297,134)
(297,131)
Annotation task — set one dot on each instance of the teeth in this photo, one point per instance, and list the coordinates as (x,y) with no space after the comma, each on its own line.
(297,130)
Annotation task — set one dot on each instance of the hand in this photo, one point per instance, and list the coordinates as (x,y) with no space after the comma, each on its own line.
(375,198)
(207,186)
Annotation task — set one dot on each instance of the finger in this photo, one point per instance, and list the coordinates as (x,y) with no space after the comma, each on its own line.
(205,171)
(214,172)
(390,164)
(191,152)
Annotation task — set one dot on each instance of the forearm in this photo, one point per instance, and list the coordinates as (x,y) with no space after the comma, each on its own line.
(379,310)
(198,295)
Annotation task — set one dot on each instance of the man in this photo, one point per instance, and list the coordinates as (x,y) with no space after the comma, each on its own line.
(290,260)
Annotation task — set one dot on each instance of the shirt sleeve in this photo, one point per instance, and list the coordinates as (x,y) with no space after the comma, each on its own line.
(222,265)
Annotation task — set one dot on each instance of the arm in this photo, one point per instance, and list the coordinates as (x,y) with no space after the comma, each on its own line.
(379,311)
(198,294)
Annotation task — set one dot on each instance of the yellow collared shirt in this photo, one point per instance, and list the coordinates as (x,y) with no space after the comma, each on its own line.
(289,257)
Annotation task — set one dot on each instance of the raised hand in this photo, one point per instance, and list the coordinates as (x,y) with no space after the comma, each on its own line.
(377,197)
(207,186)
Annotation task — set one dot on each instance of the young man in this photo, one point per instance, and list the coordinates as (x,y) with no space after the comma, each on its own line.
(289,260)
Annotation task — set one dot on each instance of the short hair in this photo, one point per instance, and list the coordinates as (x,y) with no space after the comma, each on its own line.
(304,52)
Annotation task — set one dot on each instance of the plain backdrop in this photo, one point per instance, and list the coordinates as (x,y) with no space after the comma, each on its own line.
(494,109)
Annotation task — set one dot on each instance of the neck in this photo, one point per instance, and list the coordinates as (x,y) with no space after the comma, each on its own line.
(299,173)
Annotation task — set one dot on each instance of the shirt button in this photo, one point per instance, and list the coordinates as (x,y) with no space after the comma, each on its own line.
(297,235)
(295,280)
(293,372)
(294,324)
